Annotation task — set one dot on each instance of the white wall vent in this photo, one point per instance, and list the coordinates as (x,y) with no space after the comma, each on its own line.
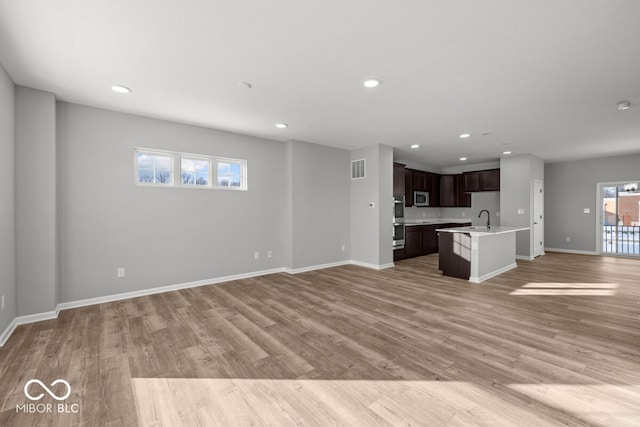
(357,169)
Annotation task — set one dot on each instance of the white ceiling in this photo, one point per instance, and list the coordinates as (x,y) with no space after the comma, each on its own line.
(540,76)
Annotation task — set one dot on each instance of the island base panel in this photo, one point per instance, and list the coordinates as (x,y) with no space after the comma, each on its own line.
(455,255)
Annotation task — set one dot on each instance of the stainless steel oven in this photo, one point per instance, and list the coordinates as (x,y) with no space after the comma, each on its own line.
(398,236)
(398,222)
(398,209)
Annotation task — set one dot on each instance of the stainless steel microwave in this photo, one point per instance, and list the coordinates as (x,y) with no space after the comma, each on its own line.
(420,198)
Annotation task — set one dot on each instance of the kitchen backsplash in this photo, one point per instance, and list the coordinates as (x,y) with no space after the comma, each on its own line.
(486,200)
(421,213)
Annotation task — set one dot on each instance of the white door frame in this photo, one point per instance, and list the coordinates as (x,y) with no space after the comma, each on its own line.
(538,207)
(598,215)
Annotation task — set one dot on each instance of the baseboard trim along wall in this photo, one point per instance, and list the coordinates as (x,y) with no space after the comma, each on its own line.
(525,257)
(571,251)
(162,289)
(373,266)
(23,320)
(316,267)
(7,332)
(474,279)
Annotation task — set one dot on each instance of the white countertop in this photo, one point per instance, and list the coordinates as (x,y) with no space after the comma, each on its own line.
(435,221)
(483,231)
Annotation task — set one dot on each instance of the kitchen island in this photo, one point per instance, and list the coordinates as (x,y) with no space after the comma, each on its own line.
(477,253)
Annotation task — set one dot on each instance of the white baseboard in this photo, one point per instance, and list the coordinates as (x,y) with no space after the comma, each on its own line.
(316,267)
(162,289)
(373,266)
(488,276)
(525,257)
(8,331)
(571,251)
(38,317)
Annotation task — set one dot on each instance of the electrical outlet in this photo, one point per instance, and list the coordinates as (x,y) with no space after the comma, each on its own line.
(424,214)
(586,210)
(497,214)
(256,255)
(568,238)
(269,254)
(343,248)
(464,213)
(2,303)
(120,272)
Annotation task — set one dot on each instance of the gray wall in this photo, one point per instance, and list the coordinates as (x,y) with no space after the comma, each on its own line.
(161,236)
(517,174)
(320,207)
(365,220)
(385,197)
(36,201)
(570,187)
(7,200)
(371,228)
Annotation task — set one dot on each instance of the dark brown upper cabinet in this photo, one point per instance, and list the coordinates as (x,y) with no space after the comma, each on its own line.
(463,199)
(419,180)
(448,191)
(452,192)
(487,180)
(398,180)
(471,181)
(490,180)
(416,180)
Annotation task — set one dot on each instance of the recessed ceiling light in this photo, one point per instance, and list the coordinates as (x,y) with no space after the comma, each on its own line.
(624,105)
(371,83)
(415,146)
(281,125)
(465,135)
(120,89)
(506,152)
(462,159)
(245,85)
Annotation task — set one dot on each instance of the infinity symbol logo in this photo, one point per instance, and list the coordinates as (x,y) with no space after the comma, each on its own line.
(38,397)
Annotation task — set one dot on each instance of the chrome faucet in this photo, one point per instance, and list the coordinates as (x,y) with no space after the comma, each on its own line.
(488,217)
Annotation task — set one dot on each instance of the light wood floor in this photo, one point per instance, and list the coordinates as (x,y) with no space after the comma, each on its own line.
(349,346)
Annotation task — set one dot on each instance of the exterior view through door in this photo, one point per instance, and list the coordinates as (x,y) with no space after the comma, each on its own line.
(619,222)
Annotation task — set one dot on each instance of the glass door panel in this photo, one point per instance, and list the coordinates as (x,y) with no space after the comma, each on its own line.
(620,219)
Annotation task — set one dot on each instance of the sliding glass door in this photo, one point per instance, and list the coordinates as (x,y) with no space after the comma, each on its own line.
(620,218)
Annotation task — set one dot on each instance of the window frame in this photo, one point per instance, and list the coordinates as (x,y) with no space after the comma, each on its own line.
(136,175)
(243,174)
(176,170)
(194,157)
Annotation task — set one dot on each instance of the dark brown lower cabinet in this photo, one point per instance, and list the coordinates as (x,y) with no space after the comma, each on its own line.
(421,240)
(429,240)
(449,261)
(399,254)
(413,241)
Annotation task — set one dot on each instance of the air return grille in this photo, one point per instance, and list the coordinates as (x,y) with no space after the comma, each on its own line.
(357,169)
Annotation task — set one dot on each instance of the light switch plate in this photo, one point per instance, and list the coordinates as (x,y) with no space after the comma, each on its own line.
(520,211)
